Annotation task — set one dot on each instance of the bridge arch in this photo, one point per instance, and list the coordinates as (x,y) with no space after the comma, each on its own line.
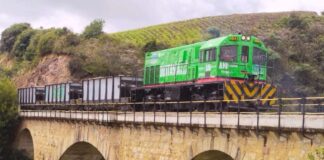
(25,143)
(82,151)
(213,155)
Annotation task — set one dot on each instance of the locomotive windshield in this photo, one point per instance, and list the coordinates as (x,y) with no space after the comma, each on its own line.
(245,54)
(228,53)
(259,56)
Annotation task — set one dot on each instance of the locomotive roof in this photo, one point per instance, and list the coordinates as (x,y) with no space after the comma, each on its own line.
(227,39)
(215,42)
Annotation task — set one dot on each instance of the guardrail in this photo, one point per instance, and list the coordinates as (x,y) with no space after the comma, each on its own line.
(279,100)
(303,120)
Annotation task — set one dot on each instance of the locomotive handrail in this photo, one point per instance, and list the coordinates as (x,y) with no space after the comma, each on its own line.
(309,104)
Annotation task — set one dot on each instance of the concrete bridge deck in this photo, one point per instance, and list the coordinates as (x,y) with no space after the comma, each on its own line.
(309,122)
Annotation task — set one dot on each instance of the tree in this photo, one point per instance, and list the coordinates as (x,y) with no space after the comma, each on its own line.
(213,32)
(9,36)
(8,120)
(94,29)
(153,46)
(22,42)
(295,21)
(46,41)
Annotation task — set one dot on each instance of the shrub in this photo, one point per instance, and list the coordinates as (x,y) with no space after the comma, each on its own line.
(213,32)
(22,42)
(32,47)
(153,46)
(209,33)
(7,95)
(66,43)
(9,36)
(46,42)
(75,66)
(296,21)
(29,56)
(8,119)
(306,75)
(94,29)
(316,154)
(96,57)
(96,65)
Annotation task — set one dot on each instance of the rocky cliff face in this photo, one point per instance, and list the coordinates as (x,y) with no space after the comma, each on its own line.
(50,69)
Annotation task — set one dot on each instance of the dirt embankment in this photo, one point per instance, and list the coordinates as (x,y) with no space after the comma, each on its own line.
(50,69)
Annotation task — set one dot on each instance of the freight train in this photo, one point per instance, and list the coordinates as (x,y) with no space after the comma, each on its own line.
(232,68)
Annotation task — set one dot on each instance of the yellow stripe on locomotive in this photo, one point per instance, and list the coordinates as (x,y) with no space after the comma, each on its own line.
(237,90)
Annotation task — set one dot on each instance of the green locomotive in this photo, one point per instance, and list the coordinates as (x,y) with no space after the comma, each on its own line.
(232,67)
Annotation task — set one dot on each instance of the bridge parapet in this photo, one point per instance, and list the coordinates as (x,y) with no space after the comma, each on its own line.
(310,122)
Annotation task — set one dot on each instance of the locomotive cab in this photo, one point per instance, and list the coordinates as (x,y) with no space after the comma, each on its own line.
(234,56)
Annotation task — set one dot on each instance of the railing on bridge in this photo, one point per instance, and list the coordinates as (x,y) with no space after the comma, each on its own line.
(309,117)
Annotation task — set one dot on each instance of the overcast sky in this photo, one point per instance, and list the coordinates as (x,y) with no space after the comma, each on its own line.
(130,14)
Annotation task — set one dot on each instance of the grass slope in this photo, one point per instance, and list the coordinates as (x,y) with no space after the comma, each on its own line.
(190,31)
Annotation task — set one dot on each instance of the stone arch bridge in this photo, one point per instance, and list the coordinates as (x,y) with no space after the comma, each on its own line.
(67,137)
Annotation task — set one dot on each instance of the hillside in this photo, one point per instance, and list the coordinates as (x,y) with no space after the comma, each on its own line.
(173,34)
(39,56)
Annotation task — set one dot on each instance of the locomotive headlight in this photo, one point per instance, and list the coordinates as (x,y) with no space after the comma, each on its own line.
(248,38)
(243,37)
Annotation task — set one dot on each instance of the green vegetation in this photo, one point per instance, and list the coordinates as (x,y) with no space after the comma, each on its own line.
(184,32)
(102,57)
(300,44)
(212,32)
(318,154)
(153,46)
(94,29)
(295,41)
(8,120)
(22,42)
(93,53)
(9,36)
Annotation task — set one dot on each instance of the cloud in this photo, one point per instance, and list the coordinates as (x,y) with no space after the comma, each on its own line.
(60,18)
(130,14)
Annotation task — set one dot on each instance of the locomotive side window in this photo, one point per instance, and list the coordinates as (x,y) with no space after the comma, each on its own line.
(245,54)
(147,75)
(201,56)
(210,54)
(207,55)
(152,75)
(228,53)
(259,56)
(184,56)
